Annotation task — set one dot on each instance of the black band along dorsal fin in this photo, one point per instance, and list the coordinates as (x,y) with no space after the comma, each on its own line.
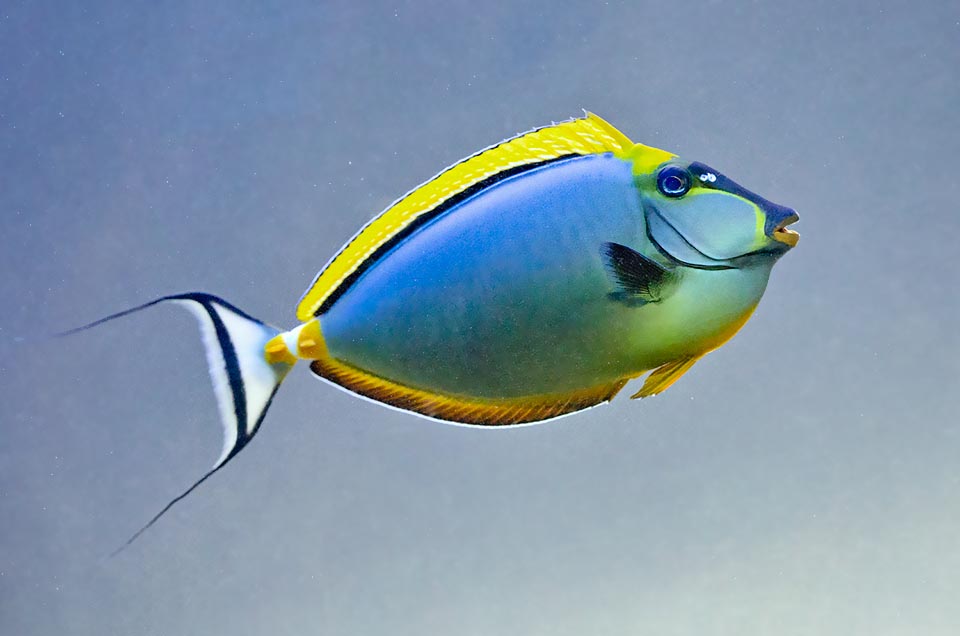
(589,135)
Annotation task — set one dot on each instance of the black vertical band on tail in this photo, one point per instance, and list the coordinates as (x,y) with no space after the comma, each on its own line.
(226,364)
(227,350)
(232,365)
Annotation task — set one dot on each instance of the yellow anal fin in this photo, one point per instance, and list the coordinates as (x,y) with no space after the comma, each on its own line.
(584,136)
(463,409)
(664,376)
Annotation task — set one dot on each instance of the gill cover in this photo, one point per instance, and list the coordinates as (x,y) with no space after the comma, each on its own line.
(703,219)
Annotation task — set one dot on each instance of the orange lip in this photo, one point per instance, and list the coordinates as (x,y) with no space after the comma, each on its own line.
(784,235)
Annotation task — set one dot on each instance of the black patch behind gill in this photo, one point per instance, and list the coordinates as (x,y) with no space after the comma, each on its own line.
(639,279)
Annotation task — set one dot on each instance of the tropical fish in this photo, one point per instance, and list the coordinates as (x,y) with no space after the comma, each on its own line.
(529,281)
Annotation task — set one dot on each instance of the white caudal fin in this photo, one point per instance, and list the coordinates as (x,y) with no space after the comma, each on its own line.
(243,380)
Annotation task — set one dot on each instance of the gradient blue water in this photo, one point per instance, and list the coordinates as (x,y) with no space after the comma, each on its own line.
(801,480)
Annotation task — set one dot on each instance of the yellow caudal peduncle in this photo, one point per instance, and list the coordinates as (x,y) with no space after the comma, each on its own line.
(276,352)
(304,342)
(310,342)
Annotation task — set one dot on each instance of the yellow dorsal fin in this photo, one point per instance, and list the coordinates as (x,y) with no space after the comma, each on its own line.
(664,376)
(583,136)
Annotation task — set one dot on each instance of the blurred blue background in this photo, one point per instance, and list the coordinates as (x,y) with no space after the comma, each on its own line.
(803,479)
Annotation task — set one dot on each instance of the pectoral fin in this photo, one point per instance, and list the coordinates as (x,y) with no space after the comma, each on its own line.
(664,376)
(639,280)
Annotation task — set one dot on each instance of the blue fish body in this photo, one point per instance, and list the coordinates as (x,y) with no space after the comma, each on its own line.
(506,294)
(484,300)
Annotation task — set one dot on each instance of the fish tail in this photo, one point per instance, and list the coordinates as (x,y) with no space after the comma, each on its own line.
(245,364)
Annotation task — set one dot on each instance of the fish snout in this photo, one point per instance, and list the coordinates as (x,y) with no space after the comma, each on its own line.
(778,218)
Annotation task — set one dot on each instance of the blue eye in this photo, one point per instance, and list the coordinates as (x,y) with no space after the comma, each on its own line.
(673,181)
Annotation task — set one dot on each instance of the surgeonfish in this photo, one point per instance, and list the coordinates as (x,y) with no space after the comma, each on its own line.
(531,280)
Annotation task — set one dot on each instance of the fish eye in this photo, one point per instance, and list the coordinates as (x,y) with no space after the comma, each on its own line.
(673,181)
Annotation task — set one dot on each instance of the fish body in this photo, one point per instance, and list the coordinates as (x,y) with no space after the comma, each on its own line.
(507,294)
(529,281)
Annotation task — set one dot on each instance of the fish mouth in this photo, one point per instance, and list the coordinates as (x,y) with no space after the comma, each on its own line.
(785,235)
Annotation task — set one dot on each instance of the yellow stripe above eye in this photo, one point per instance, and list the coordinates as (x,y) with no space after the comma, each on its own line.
(583,136)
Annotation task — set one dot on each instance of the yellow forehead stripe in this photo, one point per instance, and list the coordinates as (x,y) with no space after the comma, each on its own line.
(583,136)
(646,159)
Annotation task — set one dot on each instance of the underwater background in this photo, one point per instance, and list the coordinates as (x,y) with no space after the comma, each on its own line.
(802,479)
